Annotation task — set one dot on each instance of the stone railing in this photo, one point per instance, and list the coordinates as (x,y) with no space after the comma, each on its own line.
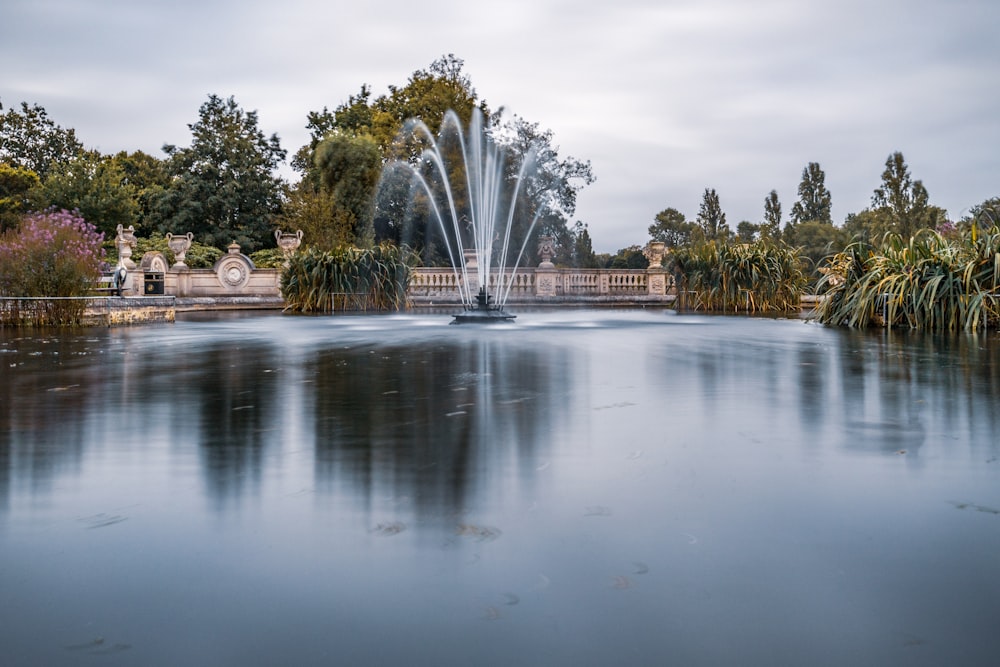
(430,286)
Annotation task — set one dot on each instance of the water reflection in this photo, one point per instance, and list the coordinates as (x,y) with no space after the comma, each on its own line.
(236,394)
(427,423)
(587,487)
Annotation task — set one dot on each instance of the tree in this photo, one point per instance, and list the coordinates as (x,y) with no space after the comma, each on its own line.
(671,228)
(747,231)
(223,187)
(711,217)
(583,249)
(903,200)
(349,167)
(95,186)
(771,227)
(31,140)
(814,199)
(428,96)
(631,257)
(15,184)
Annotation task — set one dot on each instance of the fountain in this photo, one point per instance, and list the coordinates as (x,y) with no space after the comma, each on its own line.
(477,201)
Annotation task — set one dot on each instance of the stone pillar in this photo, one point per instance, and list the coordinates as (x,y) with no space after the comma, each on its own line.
(546,275)
(656,275)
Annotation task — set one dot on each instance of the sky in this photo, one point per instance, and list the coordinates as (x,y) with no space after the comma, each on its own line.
(665,98)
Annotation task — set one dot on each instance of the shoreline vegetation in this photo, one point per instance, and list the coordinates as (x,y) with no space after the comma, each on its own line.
(930,282)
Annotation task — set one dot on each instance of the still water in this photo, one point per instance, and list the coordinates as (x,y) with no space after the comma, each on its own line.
(578,488)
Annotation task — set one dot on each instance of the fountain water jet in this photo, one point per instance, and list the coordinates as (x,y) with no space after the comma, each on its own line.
(476,204)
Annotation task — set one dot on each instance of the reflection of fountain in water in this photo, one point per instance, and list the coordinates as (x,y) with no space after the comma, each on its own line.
(477,204)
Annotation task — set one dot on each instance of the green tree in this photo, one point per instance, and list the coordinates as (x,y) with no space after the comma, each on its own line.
(747,231)
(631,257)
(95,186)
(15,184)
(814,199)
(711,218)
(771,227)
(904,201)
(147,176)
(349,167)
(32,140)
(223,187)
(583,249)
(671,228)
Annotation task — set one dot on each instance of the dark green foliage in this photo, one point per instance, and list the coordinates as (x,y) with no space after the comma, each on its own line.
(671,228)
(30,139)
(711,218)
(815,202)
(92,184)
(346,278)
(223,187)
(927,282)
(15,185)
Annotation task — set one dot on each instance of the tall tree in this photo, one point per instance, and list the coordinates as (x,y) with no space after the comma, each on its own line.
(583,249)
(814,199)
(349,167)
(32,140)
(771,227)
(223,187)
(671,228)
(711,218)
(905,202)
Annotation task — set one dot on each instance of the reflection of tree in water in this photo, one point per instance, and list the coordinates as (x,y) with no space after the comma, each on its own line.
(433,423)
(50,384)
(235,394)
(899,387)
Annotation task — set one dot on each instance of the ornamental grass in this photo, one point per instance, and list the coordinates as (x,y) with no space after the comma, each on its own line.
(346,279)
(929,282)
(758,277)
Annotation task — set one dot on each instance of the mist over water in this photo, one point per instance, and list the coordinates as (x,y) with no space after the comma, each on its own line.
(581,487)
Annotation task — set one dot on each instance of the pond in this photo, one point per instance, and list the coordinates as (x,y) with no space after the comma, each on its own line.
(579,487)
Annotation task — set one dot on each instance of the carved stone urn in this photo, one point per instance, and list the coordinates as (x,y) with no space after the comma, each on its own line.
(654,253)
(288,242)
(124,242)
(546,250)
(179,245)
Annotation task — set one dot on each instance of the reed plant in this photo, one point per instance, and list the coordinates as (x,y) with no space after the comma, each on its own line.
(928,282)
(346,279)
(760,277)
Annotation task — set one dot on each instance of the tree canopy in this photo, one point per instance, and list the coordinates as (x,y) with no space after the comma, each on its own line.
(31,140)
(815,202)
(223,187)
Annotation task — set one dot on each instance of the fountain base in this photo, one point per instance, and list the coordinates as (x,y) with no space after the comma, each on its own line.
(484,312)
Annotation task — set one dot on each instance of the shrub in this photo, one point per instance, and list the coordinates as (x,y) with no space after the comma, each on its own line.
(932,282)
(346,278)
(763,276)
(56,253)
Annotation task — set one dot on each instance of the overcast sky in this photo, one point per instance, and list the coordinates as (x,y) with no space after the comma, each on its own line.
(664,98)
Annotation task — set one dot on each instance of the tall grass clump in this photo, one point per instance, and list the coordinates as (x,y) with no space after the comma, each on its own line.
(758,277)
(929,282)
(50,254)
(346,279)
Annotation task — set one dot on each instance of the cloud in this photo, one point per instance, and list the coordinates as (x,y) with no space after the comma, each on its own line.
(664,98)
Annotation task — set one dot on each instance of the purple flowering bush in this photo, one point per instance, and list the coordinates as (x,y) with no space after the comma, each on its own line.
(55,253)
